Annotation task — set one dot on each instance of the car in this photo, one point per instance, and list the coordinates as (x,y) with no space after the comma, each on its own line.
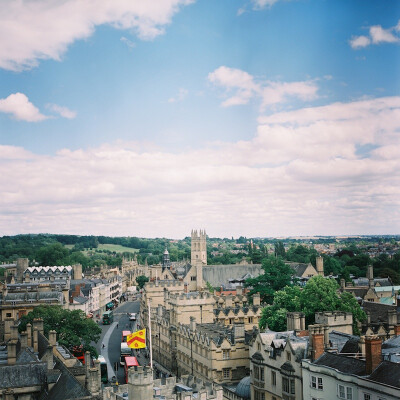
(132,316)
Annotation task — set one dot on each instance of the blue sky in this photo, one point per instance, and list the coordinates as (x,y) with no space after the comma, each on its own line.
(256,118)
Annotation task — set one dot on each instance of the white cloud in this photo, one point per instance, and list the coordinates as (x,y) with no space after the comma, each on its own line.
(245,87)
(301,174)
(19,106)
(182,93)
(359,42)
(37,30)
(259,4)
(380,35)
(62,111)
(128,42)
(377,35)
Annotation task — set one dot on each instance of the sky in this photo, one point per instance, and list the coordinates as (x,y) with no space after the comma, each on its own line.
(257,118)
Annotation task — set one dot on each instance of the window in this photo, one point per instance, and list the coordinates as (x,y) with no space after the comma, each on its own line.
(226,372)
(367,396)
(250,320)
(288,355)
(288,385)
(317,383)
(8,315)
(225,354)
(345,392)
(192,278)
(273,378)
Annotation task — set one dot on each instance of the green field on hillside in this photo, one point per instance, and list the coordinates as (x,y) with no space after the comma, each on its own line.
(111,247)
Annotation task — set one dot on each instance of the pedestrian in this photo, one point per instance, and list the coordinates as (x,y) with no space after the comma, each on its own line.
(117,325)
(103,346)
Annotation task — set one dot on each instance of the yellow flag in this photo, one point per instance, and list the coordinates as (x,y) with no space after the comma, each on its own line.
(137,340)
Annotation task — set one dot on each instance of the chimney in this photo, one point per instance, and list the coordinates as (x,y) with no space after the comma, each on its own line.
(228,301)
(49,357)
(12,352)
(14,332)
(38,324)
(8,323)
(53,338)
(342,283)
(239,290)
(318,345)
(373,353)
(35,340)
(370,276)
(77,268)
(256,299)
(29,332)
(186,288)
(24,340)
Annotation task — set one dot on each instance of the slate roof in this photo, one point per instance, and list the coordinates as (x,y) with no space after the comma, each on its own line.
(378,312)
(386,373)
(23,375)
(344,364)
(350,347)
(67,386)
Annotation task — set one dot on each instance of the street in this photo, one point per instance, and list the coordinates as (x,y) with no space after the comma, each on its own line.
(111,337)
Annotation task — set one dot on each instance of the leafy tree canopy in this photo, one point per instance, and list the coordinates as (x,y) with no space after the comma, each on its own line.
(141,281)
(319,294)
(72,327)
(276,276)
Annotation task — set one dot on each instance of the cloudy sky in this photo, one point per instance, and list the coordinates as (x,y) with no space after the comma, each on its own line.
(243,117)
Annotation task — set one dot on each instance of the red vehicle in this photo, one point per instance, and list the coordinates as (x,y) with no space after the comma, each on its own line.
(124,336)
(129,362)
(77,352)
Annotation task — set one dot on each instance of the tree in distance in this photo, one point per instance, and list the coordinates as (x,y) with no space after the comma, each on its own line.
(72,327)
(319,294)
(141,281)
(276,276)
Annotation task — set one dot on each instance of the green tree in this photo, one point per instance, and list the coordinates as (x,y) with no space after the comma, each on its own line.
(276,276)
(53,254)
(72,327)
(141,281)
(319,294)
(279,249)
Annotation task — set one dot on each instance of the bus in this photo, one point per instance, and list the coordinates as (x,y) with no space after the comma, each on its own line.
(77,352)
(125,335)
(129,362)
(108,318)
(103,369)
(126,351)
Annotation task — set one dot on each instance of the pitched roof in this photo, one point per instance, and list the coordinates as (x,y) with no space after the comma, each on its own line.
(341,363)
(23,375)
(386,372)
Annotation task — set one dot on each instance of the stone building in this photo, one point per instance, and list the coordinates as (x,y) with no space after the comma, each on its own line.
(33,367)
(141,385)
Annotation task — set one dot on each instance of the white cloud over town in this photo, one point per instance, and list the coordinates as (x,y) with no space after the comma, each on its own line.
(240,87)
(309,171)
(44,30)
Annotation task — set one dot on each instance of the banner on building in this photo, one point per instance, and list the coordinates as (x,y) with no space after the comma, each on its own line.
(137,340)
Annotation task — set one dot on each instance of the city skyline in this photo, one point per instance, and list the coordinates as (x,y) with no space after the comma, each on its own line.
(261,118)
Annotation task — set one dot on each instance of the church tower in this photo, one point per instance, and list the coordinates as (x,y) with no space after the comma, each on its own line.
(166,263)
(199,247)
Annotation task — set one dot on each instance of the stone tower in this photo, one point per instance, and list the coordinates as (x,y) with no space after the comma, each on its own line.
(370,276)
(140,383)
(22,266)
(199,247)
(320,266)
(166,263)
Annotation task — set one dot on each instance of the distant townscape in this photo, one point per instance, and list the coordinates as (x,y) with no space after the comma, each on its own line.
(235,319)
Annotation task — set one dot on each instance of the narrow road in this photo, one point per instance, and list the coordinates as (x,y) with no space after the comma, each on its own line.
(111,337)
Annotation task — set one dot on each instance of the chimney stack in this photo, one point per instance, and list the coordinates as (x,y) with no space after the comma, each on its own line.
(373,353)
(52,338)
(12,352)
(317,336)
(24,340)
(29,332)
(320,265)
(239,290)
(256,299)
(193,324)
